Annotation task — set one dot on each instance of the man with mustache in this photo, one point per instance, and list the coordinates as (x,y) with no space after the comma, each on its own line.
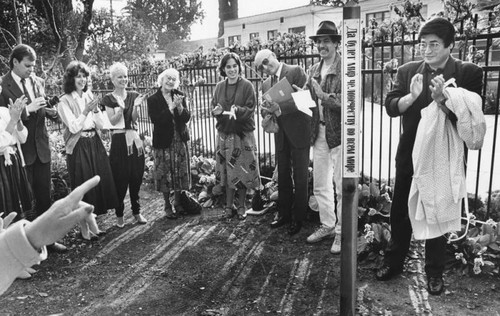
(324,83)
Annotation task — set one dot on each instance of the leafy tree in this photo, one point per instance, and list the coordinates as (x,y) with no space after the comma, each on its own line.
(128,39)
(169,19)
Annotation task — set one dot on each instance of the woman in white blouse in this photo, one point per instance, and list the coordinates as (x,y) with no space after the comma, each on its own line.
(15,189)
(86,155)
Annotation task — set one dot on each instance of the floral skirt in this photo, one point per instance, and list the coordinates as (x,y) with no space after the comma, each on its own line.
(15,189)
(236,161)
(89,158)
(172,166)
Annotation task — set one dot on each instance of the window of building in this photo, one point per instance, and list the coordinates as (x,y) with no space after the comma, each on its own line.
(379,17)
(254,35)
(231,40)
(297,30)
(243,26)
(272,34)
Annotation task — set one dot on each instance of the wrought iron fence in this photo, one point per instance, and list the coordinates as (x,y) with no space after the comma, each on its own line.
(380,134)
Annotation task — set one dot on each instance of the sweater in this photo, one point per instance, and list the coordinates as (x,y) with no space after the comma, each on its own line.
(242,95)
(17,254)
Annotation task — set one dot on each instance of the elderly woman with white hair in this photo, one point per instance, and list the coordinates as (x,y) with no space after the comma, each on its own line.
(126,154)
(169,114)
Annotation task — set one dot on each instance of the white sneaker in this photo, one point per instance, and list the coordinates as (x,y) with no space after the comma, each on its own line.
(321,233)
(336,244)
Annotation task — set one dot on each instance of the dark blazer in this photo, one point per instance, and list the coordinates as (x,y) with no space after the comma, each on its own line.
(467,75)
(296,125)
(37,143)
(163,120)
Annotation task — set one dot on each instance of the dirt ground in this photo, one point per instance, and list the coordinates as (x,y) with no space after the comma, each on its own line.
(203,265)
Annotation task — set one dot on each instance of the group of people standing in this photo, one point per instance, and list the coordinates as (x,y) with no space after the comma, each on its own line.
(419,85)
(25,180)
(25,154)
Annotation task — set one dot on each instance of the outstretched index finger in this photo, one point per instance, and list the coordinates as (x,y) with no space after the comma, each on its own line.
(78,193)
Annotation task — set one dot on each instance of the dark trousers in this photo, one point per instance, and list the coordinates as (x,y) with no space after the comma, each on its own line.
(292,191)
(401,232)
(128,171)
(39,178)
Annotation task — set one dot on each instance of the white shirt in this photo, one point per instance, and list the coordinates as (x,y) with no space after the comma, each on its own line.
(82,122)
(28,83)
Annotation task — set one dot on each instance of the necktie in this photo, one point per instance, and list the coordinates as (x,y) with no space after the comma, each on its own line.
(274,80)
(25,91)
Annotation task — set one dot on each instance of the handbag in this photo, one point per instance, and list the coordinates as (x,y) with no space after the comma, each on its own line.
(189,203)
(270,123)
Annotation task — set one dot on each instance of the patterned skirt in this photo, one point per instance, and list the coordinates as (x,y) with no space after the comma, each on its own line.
(89,158)
(172,166)
(236,161)
(15,189)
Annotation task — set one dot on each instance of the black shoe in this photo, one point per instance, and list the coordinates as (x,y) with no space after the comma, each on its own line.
(294,228)
(280,221)
(57,247)
(387,272)
(171,216)
(435,285)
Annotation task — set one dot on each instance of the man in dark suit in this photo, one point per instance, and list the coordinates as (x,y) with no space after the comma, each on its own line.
(21,80)
(291,141)
(418,84)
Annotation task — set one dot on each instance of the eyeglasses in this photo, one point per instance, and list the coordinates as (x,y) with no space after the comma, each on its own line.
(168,78)
(265,62)
(432,46)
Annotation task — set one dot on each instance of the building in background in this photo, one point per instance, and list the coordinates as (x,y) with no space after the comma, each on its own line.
(305,19)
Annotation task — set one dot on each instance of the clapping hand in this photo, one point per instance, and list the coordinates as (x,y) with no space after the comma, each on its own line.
(315,86)
(62,216)
(178,101)
(92,105)
(16,108)
(138,101)
(416,85)
(218,110)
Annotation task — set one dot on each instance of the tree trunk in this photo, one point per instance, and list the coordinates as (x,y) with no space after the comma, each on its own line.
(19,38)
(84,28)
(228,10)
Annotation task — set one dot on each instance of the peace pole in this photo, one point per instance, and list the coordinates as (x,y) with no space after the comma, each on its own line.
(351,104)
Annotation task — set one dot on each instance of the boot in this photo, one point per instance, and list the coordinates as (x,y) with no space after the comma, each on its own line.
(177,203)
(169,213)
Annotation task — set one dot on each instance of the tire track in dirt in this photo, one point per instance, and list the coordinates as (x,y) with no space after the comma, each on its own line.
(132,291)
(324,287)
(136,271)
(128,235)
(228,290)
(298,276)
(417,291)
(261,299)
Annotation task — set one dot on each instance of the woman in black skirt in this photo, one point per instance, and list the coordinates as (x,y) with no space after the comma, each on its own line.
(126,155)
(86,155)
(169,114)
(15,190)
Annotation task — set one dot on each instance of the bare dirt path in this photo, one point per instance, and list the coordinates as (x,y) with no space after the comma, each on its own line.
(202,265)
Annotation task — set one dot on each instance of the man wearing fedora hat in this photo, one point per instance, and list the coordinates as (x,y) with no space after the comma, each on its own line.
(291,141)
(324,83)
